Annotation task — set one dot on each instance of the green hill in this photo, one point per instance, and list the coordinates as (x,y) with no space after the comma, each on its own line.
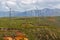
(35,28)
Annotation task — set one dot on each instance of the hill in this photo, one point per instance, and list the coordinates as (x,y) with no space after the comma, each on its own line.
(43,12)
(35,28)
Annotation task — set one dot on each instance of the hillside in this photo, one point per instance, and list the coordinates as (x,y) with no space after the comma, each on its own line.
(35,28)
(33,21)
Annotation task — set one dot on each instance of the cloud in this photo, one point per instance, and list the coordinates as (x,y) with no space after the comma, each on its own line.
(28,1)
(51,0)
(11,0)
(11,3)
(57,6)
(29,4)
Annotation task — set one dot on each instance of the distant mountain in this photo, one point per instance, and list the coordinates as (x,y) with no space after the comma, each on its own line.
(4,14)
(43,12)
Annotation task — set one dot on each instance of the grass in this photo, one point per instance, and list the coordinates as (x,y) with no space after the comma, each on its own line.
(35,28)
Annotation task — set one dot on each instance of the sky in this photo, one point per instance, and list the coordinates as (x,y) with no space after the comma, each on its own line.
(24,5)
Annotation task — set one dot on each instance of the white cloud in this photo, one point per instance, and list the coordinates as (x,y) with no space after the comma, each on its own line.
(51,0)
(28,1)
(41,0)
(10,2)
(6,7)
(29,4)
(57,6)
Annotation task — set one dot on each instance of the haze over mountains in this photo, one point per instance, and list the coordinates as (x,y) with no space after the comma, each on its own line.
(42,12)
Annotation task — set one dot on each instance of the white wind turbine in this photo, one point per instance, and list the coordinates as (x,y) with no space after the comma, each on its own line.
(9,9)
(19,5)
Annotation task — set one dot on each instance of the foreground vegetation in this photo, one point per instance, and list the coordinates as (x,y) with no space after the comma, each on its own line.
(35,28)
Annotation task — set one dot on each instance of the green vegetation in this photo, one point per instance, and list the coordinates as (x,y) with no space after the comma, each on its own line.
(36,28)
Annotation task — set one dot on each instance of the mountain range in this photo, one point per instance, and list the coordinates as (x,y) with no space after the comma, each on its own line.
(42,12)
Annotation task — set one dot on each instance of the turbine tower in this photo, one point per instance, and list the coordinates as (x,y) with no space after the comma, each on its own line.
(38,13)
(9,9)
(25,15)
(9,13)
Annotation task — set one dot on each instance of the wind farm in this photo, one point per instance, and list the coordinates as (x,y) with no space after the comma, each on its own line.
(29,20)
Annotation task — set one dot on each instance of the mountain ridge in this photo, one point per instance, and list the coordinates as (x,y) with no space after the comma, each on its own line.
(43,12)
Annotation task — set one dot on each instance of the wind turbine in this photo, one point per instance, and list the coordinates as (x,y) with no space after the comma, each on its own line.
(9,13)
(38,8)
(18,4)
(9,9)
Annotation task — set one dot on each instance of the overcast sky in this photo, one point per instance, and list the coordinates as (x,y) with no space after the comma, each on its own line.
(22,5)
